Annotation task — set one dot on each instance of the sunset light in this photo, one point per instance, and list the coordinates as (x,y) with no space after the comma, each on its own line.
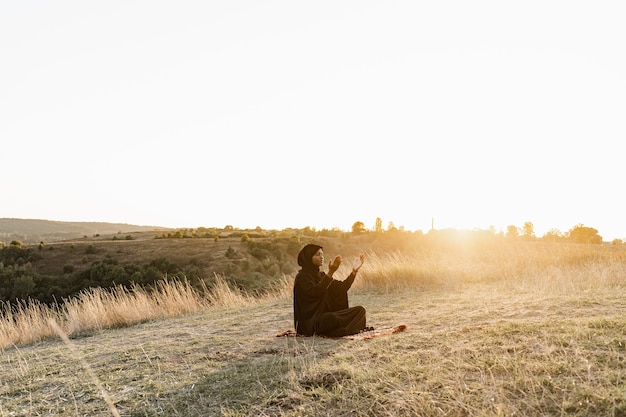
(470,115)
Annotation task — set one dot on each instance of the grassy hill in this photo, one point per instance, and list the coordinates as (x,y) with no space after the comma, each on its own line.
(493,330)
(206,253)
(251,259)
(33,231)
(137,248)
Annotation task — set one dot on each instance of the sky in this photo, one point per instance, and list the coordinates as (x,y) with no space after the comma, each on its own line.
(279,114)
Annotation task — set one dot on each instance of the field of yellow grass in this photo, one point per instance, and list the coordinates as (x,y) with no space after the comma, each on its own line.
(494,329)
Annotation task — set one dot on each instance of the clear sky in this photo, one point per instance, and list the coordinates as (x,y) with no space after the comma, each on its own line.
(290,114)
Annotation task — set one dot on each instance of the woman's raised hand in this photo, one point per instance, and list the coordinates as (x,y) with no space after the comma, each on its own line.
(358,262)
(333,264)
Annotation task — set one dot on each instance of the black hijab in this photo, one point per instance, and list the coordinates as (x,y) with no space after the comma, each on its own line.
(305,258)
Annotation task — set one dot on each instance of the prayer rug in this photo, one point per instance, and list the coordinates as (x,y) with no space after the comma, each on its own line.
(369,334)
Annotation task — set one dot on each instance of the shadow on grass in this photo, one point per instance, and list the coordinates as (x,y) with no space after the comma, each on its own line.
(271,381)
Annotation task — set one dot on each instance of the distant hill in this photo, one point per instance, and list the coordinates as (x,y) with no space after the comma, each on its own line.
(34,230)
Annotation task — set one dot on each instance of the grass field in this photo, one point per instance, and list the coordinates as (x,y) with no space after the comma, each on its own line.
(524,329)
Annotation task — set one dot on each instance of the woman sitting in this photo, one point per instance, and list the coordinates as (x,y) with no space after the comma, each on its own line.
(320,303)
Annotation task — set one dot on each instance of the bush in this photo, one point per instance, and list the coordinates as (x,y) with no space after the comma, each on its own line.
(16,254)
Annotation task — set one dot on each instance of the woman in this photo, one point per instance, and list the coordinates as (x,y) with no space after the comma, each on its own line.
(320,303)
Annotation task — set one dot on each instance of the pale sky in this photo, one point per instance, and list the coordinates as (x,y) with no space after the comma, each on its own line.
(291,114)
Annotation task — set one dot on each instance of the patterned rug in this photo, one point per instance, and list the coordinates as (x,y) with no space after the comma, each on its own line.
(369,334)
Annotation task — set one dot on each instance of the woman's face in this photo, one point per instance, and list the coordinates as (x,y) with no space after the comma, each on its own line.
(318,258)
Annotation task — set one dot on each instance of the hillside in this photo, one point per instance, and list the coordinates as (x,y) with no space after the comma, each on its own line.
(208,254)
(80,244)
(252,260)
(33,231)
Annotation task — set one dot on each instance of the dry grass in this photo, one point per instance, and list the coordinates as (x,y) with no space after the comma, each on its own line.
(562,267)
(497,331)
(99,308)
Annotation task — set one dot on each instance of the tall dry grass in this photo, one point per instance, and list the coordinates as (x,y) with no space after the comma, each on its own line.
(99,308)
(528,266)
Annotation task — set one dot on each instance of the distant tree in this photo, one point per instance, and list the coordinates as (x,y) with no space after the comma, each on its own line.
(528,231)
(245,237)
(617,242)
(552,235)
(378,226)
(391,227)
(512,232)
(358,228)
(309,231)
(583,234)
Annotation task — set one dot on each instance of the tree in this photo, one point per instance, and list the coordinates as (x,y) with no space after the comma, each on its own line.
(528,231)
(512,232)
(583,234)
(378,226)
(552,235)
(358,228)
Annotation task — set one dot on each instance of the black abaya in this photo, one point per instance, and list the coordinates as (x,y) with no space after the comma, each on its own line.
(320,303)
